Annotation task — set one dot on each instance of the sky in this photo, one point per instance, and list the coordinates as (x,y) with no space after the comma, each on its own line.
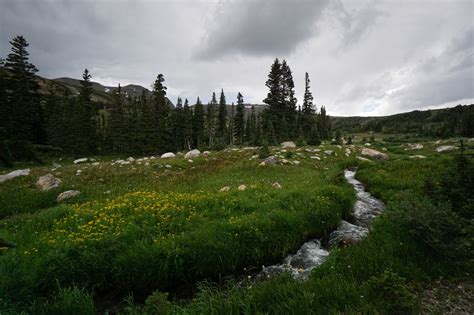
(364,57)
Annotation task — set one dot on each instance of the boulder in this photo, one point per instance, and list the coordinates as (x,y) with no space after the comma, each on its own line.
(288,144)
(296,162)
(48,182)
(131,159)
(11,175)
(225,189)
(276,185)
(363,159)
(192,154)
(271,160)
(374,154)
(446,148)
(242,187)
(67,194)
(81,160)
(168,155)
(206,153)
(347,234)
(417,157)
(414,146)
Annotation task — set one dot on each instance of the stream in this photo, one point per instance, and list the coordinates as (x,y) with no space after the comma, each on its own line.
(312,253)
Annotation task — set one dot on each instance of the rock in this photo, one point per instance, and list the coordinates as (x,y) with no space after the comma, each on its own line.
(82,160)
(11,175)
(242,187)
(78,172)
(192,154)
(147,163)
(47,182)
(312,150)
(276,185)
(124,162)
(285,161)
(417,157)
(95,164)
(367,144)
(131,159)
(254,157)
(119,161)
(315,157)
(363,159)
(168,155)
(446,148)
(206,153)
(168,166)
(271,160)
(414,146)
(224,189)
(296,162)
(288,144)
(190,161)
(374,154)
(328,152)
(152,158)
(347,234)
(348,151)
(67,194)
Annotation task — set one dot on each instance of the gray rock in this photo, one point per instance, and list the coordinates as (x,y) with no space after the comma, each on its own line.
(414,146)
(288,144)
(446,148)
(192,154)
(168,155)
(271,160)
(81,160)
(48,182)
(68,194)
(11,175)
(374,154)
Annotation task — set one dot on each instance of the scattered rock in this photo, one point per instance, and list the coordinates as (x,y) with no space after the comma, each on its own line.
(190,161)
(367,144)
(47,182)
(315,157)
(285,161)
(147,163)
(348,151)
(11,175)
(192,154)
(376,155)
(363,159)
(168,155)
(347,234)
(95,164)
(271,160)
(206,153)
(168,166)
(68,194)
(124,162)
(414,146)
(225,189)
(131,159)
(81,160)
(78,172)
(242,187)
(288,144)
(417,157)
(296,162)
(328,152)
(446,148)
(276,185)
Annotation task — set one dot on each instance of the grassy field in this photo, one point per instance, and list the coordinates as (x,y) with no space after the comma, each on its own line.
(159,236)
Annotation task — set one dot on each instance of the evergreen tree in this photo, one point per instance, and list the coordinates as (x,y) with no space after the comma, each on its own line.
(179,125)
(275,99)
(239,120)
(188,125)
(308,109)
(85,123)
(314,138)
(253,127)
(210,120)
(22,113)
(116,129)
(231,124)
(289,99)
(198,124)
(324,127)
(222,119)
(164,126)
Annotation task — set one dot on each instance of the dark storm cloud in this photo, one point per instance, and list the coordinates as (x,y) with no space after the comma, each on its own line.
(261,28)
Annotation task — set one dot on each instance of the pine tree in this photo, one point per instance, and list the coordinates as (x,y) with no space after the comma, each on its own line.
(289,99)
(23,112)
(222,118)
(239,120)
(164,126)
(308,110)
(231,125)
(314,138)
(179,125)
(275,99)
(188,125)
(211,120)
(116,128)
(198,125)
(324,124)
(85,123)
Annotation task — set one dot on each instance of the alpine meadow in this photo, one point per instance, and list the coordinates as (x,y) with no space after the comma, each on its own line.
(236,157)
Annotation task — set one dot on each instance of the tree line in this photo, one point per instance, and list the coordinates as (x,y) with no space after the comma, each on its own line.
(78,124)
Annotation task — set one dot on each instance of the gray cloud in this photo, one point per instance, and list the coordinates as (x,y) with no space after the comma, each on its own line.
(268,27)
(364,57)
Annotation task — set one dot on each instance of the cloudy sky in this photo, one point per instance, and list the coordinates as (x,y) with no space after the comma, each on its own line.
(363,57)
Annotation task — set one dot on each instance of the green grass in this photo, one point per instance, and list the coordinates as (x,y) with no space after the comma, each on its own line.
(140,229)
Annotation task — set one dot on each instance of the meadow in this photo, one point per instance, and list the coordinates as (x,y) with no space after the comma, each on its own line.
(159,235)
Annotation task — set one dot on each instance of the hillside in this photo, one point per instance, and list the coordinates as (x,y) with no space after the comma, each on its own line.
(438,122)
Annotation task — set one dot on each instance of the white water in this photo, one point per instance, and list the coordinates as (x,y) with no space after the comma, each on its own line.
(311,254)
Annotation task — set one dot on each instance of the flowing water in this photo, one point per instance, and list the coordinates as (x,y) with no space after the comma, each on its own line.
(312,254)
